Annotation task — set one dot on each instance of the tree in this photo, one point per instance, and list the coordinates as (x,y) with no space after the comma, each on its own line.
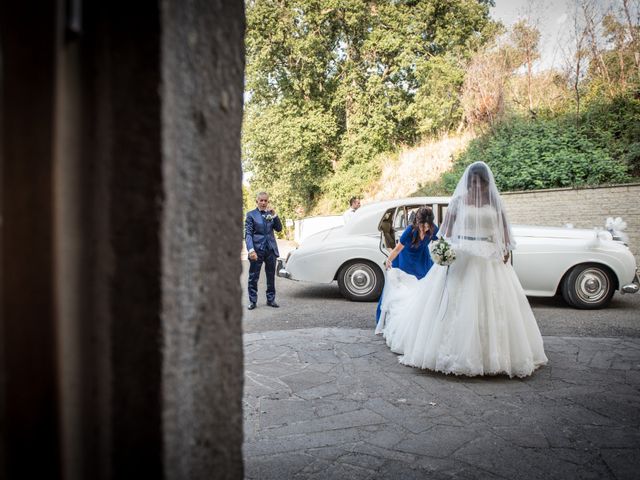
(612,38)
(333,83)
(575,62)
(483,90)
(525,40)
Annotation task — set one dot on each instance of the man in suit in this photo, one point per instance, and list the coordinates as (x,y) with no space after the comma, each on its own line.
(262,247)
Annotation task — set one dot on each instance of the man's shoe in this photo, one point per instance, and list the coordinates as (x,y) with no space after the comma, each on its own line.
(251,306)
(273,304)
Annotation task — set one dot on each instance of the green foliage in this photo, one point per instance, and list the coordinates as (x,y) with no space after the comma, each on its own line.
(615,123)
(350,180)
(333,83)
(601,146)
(247,200)
(525,40)
(613,66)
(527,155)
(432,189)
(290,152)
(437,104)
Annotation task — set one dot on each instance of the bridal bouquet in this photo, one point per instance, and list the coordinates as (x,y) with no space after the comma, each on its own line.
(441,252)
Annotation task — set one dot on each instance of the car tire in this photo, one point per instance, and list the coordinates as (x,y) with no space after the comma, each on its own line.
(360,281)
(588,286)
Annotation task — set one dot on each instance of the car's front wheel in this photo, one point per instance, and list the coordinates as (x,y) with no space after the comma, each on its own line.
(360,281)
(588,286)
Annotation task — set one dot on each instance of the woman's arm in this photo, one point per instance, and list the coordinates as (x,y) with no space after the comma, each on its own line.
(394,253)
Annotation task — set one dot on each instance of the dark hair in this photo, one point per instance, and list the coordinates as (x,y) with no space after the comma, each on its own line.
(479,170)
(423,215)
(352,200)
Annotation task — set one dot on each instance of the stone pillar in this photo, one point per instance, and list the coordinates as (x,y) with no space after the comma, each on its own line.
(202,92)
(121,346)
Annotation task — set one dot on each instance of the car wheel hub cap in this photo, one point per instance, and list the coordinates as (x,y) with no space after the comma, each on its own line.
(592,285)
(361,279)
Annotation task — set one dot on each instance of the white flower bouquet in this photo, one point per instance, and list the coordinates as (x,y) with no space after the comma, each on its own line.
(442,252)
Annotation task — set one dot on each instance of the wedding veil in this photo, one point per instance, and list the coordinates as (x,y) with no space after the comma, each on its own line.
(476,221)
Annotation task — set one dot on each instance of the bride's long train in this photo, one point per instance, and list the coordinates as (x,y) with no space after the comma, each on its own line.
(471,318)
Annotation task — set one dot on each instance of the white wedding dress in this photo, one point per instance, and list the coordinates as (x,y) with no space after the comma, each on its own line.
(471,318)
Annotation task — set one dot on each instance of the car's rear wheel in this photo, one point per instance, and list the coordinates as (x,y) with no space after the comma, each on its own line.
(588,286)
(360,281)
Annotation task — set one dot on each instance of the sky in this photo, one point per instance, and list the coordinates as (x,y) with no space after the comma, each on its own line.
(552,17)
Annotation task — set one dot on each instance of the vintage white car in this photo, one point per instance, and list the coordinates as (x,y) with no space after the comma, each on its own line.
(585,266)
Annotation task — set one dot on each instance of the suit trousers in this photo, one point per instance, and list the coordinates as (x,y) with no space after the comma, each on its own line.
(269,259)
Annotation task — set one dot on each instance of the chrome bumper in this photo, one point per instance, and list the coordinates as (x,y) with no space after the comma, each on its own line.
(632,287)
(280,270)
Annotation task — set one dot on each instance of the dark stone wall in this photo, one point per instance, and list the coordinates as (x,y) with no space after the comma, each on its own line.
(108,200)
(27,312)
(127,64)
(202,94)
(121,346)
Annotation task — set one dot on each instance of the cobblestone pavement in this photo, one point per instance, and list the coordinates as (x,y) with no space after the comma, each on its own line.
(334,403)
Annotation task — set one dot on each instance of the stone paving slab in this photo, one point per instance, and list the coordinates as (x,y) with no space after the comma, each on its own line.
(329,403)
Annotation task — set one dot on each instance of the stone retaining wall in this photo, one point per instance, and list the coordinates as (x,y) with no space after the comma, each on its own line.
(582,207)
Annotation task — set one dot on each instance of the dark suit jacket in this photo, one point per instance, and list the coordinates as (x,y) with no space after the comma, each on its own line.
(258,232)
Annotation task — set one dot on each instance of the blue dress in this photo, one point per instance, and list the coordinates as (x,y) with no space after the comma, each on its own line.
(413,259)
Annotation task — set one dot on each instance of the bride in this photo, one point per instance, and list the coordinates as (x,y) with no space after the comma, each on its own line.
(472,317)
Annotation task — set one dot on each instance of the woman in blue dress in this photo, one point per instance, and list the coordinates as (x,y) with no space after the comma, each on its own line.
(411,254)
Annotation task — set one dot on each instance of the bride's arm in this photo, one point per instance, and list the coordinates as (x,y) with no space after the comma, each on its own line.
(507,238)
(450,218)
(449,229)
